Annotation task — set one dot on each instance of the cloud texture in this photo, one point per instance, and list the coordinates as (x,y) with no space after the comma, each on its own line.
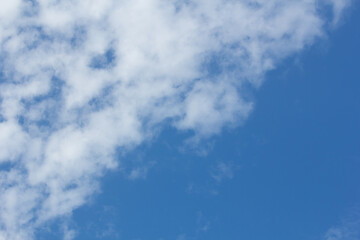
(81,81)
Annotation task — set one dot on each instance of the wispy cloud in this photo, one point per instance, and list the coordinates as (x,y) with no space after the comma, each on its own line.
(223,170)
(82,80)
(69,234)
(349,229)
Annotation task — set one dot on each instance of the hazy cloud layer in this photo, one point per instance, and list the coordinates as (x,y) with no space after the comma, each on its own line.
(81,81)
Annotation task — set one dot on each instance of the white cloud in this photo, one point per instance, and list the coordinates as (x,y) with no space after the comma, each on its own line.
(338,8)
(11,136)
(69,234)
(223,170)
(82,79)
(349,229)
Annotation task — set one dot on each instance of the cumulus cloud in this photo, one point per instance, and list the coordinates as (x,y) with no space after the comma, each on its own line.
(82,80)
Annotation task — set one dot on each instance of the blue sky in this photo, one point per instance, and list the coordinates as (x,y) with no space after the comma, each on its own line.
(264,143)
(295,163)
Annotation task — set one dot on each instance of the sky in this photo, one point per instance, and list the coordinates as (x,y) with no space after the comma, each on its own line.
(179,120)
